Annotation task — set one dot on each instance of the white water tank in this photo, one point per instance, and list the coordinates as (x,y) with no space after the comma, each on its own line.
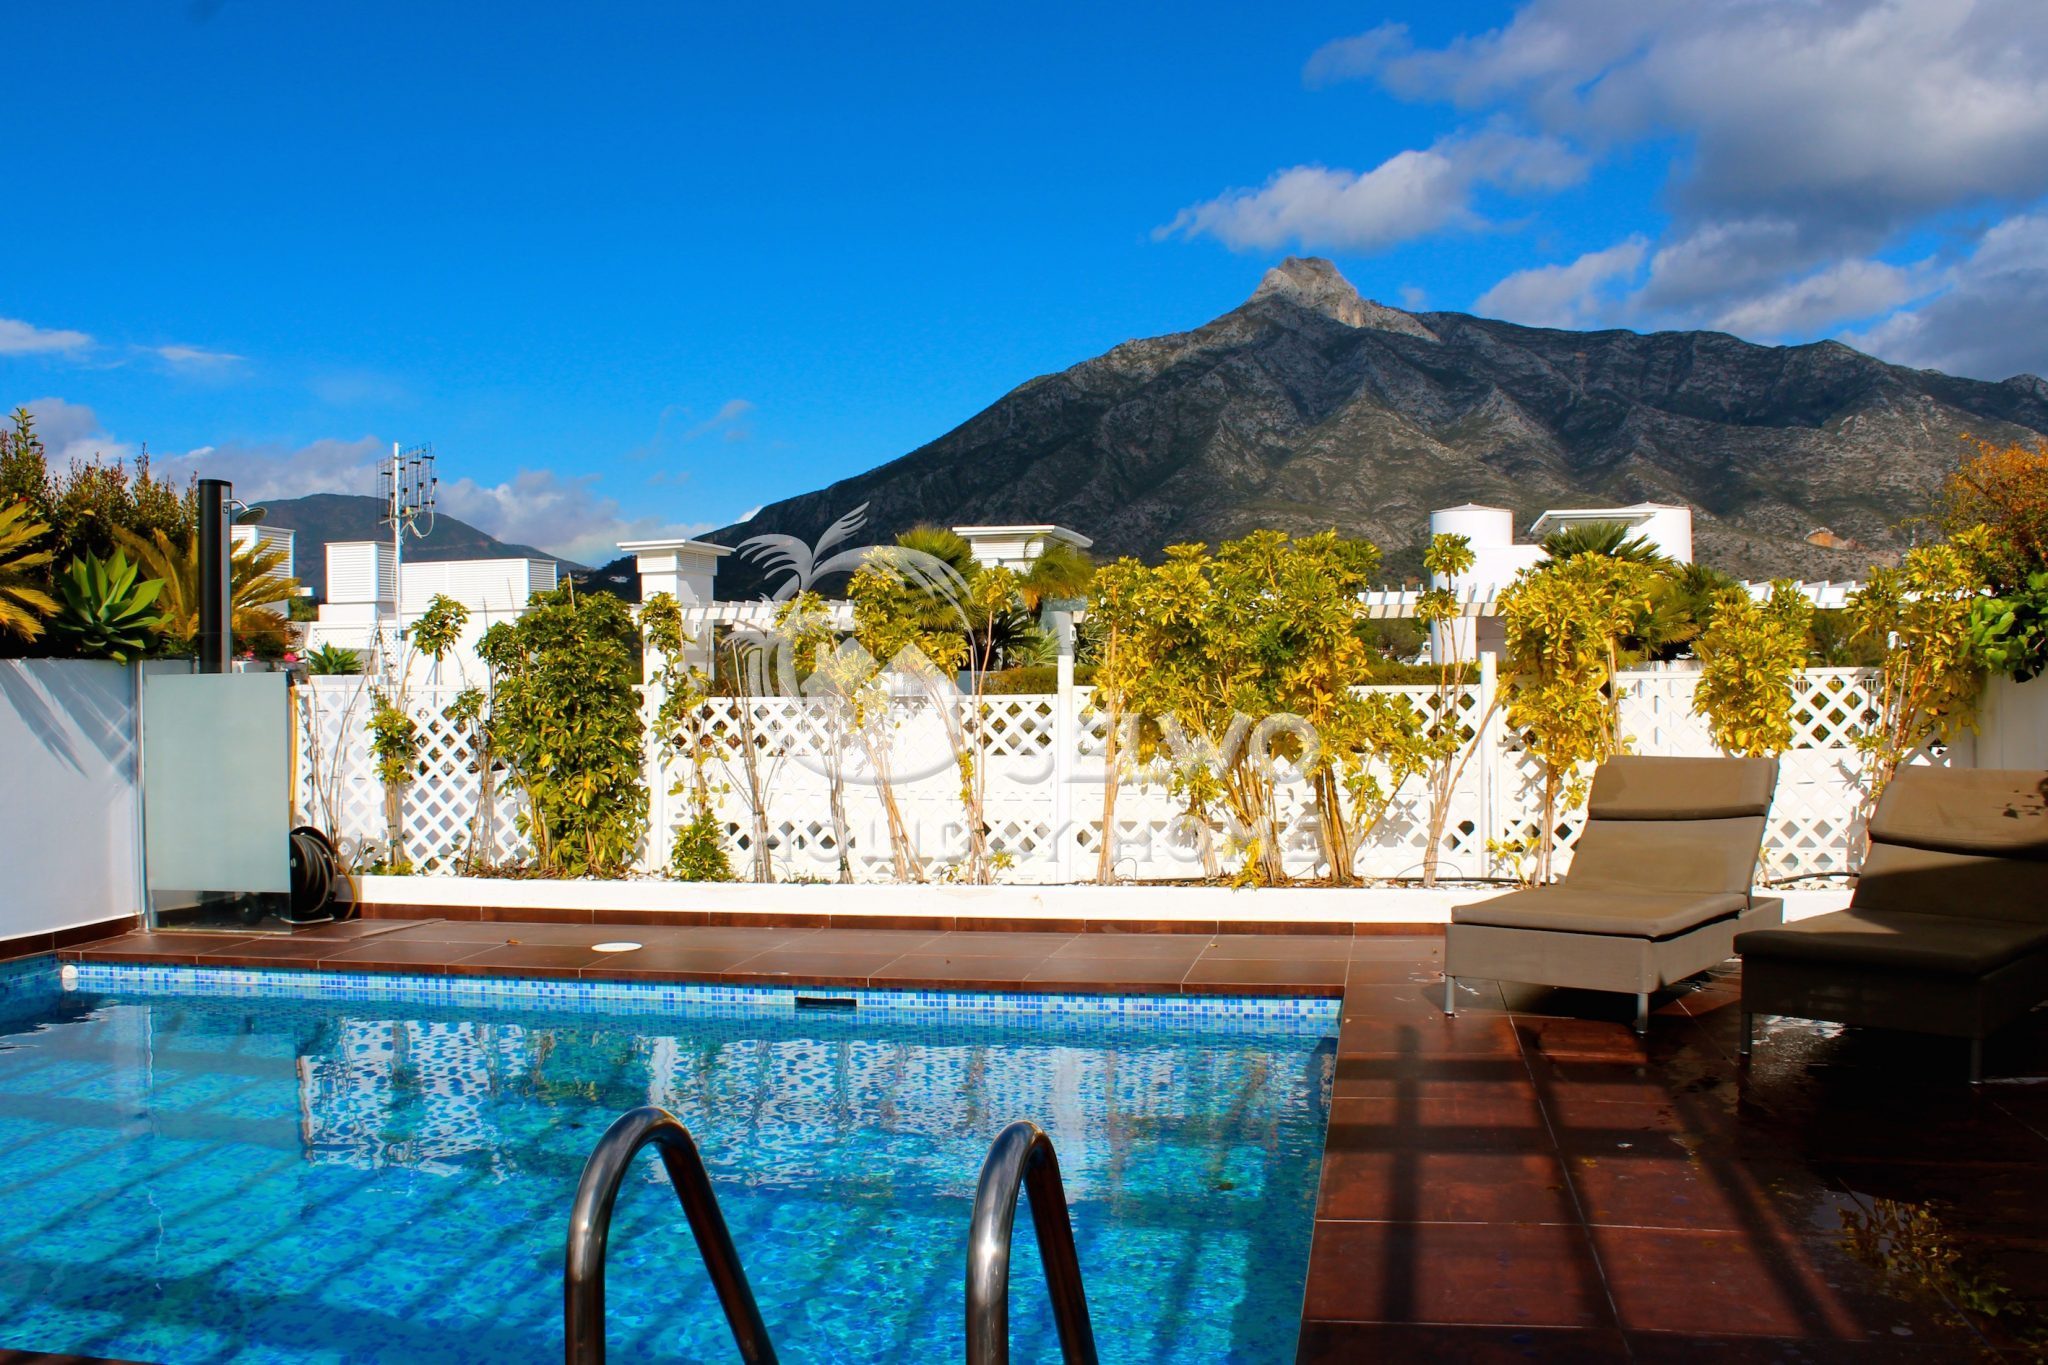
(1485,527)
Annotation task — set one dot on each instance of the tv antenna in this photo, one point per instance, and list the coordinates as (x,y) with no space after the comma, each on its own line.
(407,486)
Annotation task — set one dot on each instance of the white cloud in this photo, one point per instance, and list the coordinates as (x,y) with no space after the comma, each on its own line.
(728,421)
(567,516)
(194,357)
(1857,111)
(24,338)
(1564,295)
(1409,195)
(1846,289)
(71,434)
(1986,321)
(1813,147)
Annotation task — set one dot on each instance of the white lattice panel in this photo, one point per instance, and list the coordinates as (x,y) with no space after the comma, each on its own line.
(1045,779)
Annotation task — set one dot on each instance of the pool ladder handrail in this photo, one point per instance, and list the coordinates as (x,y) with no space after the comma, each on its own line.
(590,1220)
(1022,1156)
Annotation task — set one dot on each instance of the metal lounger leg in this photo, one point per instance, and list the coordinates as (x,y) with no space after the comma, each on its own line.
(1976,1061)
(1450,994)
(1642,1012)
(1748,1032)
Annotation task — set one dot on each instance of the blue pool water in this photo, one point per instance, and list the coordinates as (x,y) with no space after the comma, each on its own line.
(274,1167)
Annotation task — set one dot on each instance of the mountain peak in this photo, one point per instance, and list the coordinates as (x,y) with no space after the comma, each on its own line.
(1315,284)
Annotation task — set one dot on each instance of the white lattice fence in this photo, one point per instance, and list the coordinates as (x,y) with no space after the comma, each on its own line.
(337,787)
(1042,761)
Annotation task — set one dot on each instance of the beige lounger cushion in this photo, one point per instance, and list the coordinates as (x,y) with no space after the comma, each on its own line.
(1941,944)
(1634,787)
(1628,914)
(1994,812)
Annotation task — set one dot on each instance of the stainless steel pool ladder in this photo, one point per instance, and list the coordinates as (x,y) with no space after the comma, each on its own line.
(1022,1156)
(590,1221)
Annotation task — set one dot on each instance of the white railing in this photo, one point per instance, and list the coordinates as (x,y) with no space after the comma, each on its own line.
(1045,779)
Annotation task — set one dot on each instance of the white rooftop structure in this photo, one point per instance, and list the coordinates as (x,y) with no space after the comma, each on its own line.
(1665,525)
(279,537)
(368,596)
(1014,547)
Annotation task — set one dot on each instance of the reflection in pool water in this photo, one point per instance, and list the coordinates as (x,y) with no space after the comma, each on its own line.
(329,1180)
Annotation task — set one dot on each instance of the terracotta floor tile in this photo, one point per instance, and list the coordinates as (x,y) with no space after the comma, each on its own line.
(1182,947)
(1258,972)
(293,947)
(1738,1284)
(656,961)
(1392,972)
(1704,1193)
(1292,947)
(389,952)
(1417,999)
(1500,1274)
(980,971)
(1424,1186)
(1445,1119)
(1356,1343)
(1469,1035)
(1666,1348)
(1138,976)
(893,941)
(491,932)
(993,943)
(799,964)
(1402,948)
(184,946)
(1367,1077)
(530,959)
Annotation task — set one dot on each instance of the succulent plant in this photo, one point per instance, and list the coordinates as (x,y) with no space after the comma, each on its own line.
(333,659)
(106,608)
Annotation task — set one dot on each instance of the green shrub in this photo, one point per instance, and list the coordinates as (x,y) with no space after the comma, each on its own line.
(1032,678)
(699,854)
(565,718)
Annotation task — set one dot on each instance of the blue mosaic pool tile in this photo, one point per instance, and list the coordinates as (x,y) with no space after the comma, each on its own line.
(1292,1014)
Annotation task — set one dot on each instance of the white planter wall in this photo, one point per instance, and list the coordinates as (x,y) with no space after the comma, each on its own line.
(69,796)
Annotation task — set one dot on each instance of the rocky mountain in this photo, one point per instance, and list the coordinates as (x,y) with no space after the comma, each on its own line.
(321,517)
(1310,406)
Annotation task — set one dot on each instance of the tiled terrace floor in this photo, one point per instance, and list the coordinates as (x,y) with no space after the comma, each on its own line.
(1524,1182)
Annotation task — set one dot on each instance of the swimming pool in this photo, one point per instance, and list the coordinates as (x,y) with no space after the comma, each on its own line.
(207,1165)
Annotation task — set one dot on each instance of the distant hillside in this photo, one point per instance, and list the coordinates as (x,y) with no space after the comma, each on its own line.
(321,517)
(1309,407)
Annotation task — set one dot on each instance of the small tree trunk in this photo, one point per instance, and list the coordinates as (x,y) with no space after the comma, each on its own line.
(394,825)
(1340,849)
(1112,768)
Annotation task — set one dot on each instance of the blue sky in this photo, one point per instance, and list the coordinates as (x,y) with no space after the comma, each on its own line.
(640,268)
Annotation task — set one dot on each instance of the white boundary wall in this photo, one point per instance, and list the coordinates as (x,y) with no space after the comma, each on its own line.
(1045,782)
(69,795)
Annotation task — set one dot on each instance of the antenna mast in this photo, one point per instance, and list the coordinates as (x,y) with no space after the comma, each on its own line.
(407,485)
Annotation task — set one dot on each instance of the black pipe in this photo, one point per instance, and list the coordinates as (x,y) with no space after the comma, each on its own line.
(216,565)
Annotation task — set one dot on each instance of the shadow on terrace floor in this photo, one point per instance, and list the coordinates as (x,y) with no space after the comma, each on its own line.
(1528,1181)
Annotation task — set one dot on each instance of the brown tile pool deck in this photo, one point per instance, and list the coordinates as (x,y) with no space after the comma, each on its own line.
(1527,1181)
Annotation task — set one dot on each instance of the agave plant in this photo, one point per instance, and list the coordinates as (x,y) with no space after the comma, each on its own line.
(334,660)
(106,613)
(23,605)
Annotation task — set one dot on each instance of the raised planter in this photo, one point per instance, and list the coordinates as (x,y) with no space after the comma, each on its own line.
(1067,909)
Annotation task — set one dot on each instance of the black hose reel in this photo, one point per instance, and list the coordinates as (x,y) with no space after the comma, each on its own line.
(316,876)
